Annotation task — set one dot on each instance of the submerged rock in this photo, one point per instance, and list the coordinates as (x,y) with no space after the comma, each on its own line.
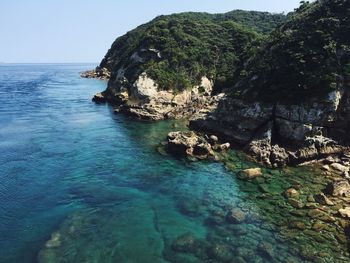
(235,216)
(185,243)
(266,249)
(221,252)
(250,173)
(291,193)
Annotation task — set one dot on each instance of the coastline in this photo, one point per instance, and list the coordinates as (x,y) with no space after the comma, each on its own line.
(328,206)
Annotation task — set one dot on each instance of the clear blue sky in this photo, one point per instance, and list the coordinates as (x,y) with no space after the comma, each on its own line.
(83,30)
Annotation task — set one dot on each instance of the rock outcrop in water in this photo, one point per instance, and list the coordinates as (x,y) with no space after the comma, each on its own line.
(190,144)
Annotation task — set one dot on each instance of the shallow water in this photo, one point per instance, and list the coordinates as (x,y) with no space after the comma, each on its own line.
(81,184)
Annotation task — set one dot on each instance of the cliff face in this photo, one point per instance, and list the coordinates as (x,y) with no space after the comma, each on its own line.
(307,110)
(175,66)
(283,95)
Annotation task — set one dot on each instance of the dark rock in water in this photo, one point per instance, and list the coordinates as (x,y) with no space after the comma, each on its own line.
(265,249)
(182,143)
(214,220)
(190,207)
(202,149)
(99,98)
(235,216)
(323,200)
(340,188)
(221,252)
(185,243)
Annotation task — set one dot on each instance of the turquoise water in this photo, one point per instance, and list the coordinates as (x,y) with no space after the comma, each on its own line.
(81,184)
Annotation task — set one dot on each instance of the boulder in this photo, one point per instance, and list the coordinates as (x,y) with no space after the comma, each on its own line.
(235,216)
(323,200)
(181,142)
(291,193)
(99,98)
(265,249)
(220,252)
(213,139)
(185,243)
(250,173)
(224,147)
(188,143)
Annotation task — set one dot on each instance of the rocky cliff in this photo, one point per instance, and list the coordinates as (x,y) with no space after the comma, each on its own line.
(293,103)
(177,66)
(282,95)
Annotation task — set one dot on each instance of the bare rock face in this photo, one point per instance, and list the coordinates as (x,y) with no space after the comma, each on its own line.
(277,135)
(339,188)
(144,99)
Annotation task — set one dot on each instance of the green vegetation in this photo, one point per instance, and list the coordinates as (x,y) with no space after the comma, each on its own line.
(307,57)
(191,45)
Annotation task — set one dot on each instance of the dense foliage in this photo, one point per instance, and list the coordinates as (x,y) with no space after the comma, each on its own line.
(191,45)
(306,57)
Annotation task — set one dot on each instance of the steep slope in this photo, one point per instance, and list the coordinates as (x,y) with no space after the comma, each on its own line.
(293,89)
(170,66)
(177,50)
(307,56)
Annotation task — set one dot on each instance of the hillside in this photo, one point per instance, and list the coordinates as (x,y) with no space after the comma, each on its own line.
(307,57)
(294,92)
(177,50)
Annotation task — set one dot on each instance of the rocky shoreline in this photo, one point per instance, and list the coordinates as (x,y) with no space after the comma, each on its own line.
(273,135)
(219,123)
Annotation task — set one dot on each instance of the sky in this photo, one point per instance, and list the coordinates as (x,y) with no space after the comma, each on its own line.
(76,31)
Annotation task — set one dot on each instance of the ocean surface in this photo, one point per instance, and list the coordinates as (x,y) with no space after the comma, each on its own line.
(79,183)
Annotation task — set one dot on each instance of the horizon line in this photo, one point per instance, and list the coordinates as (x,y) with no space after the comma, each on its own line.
(23,63)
